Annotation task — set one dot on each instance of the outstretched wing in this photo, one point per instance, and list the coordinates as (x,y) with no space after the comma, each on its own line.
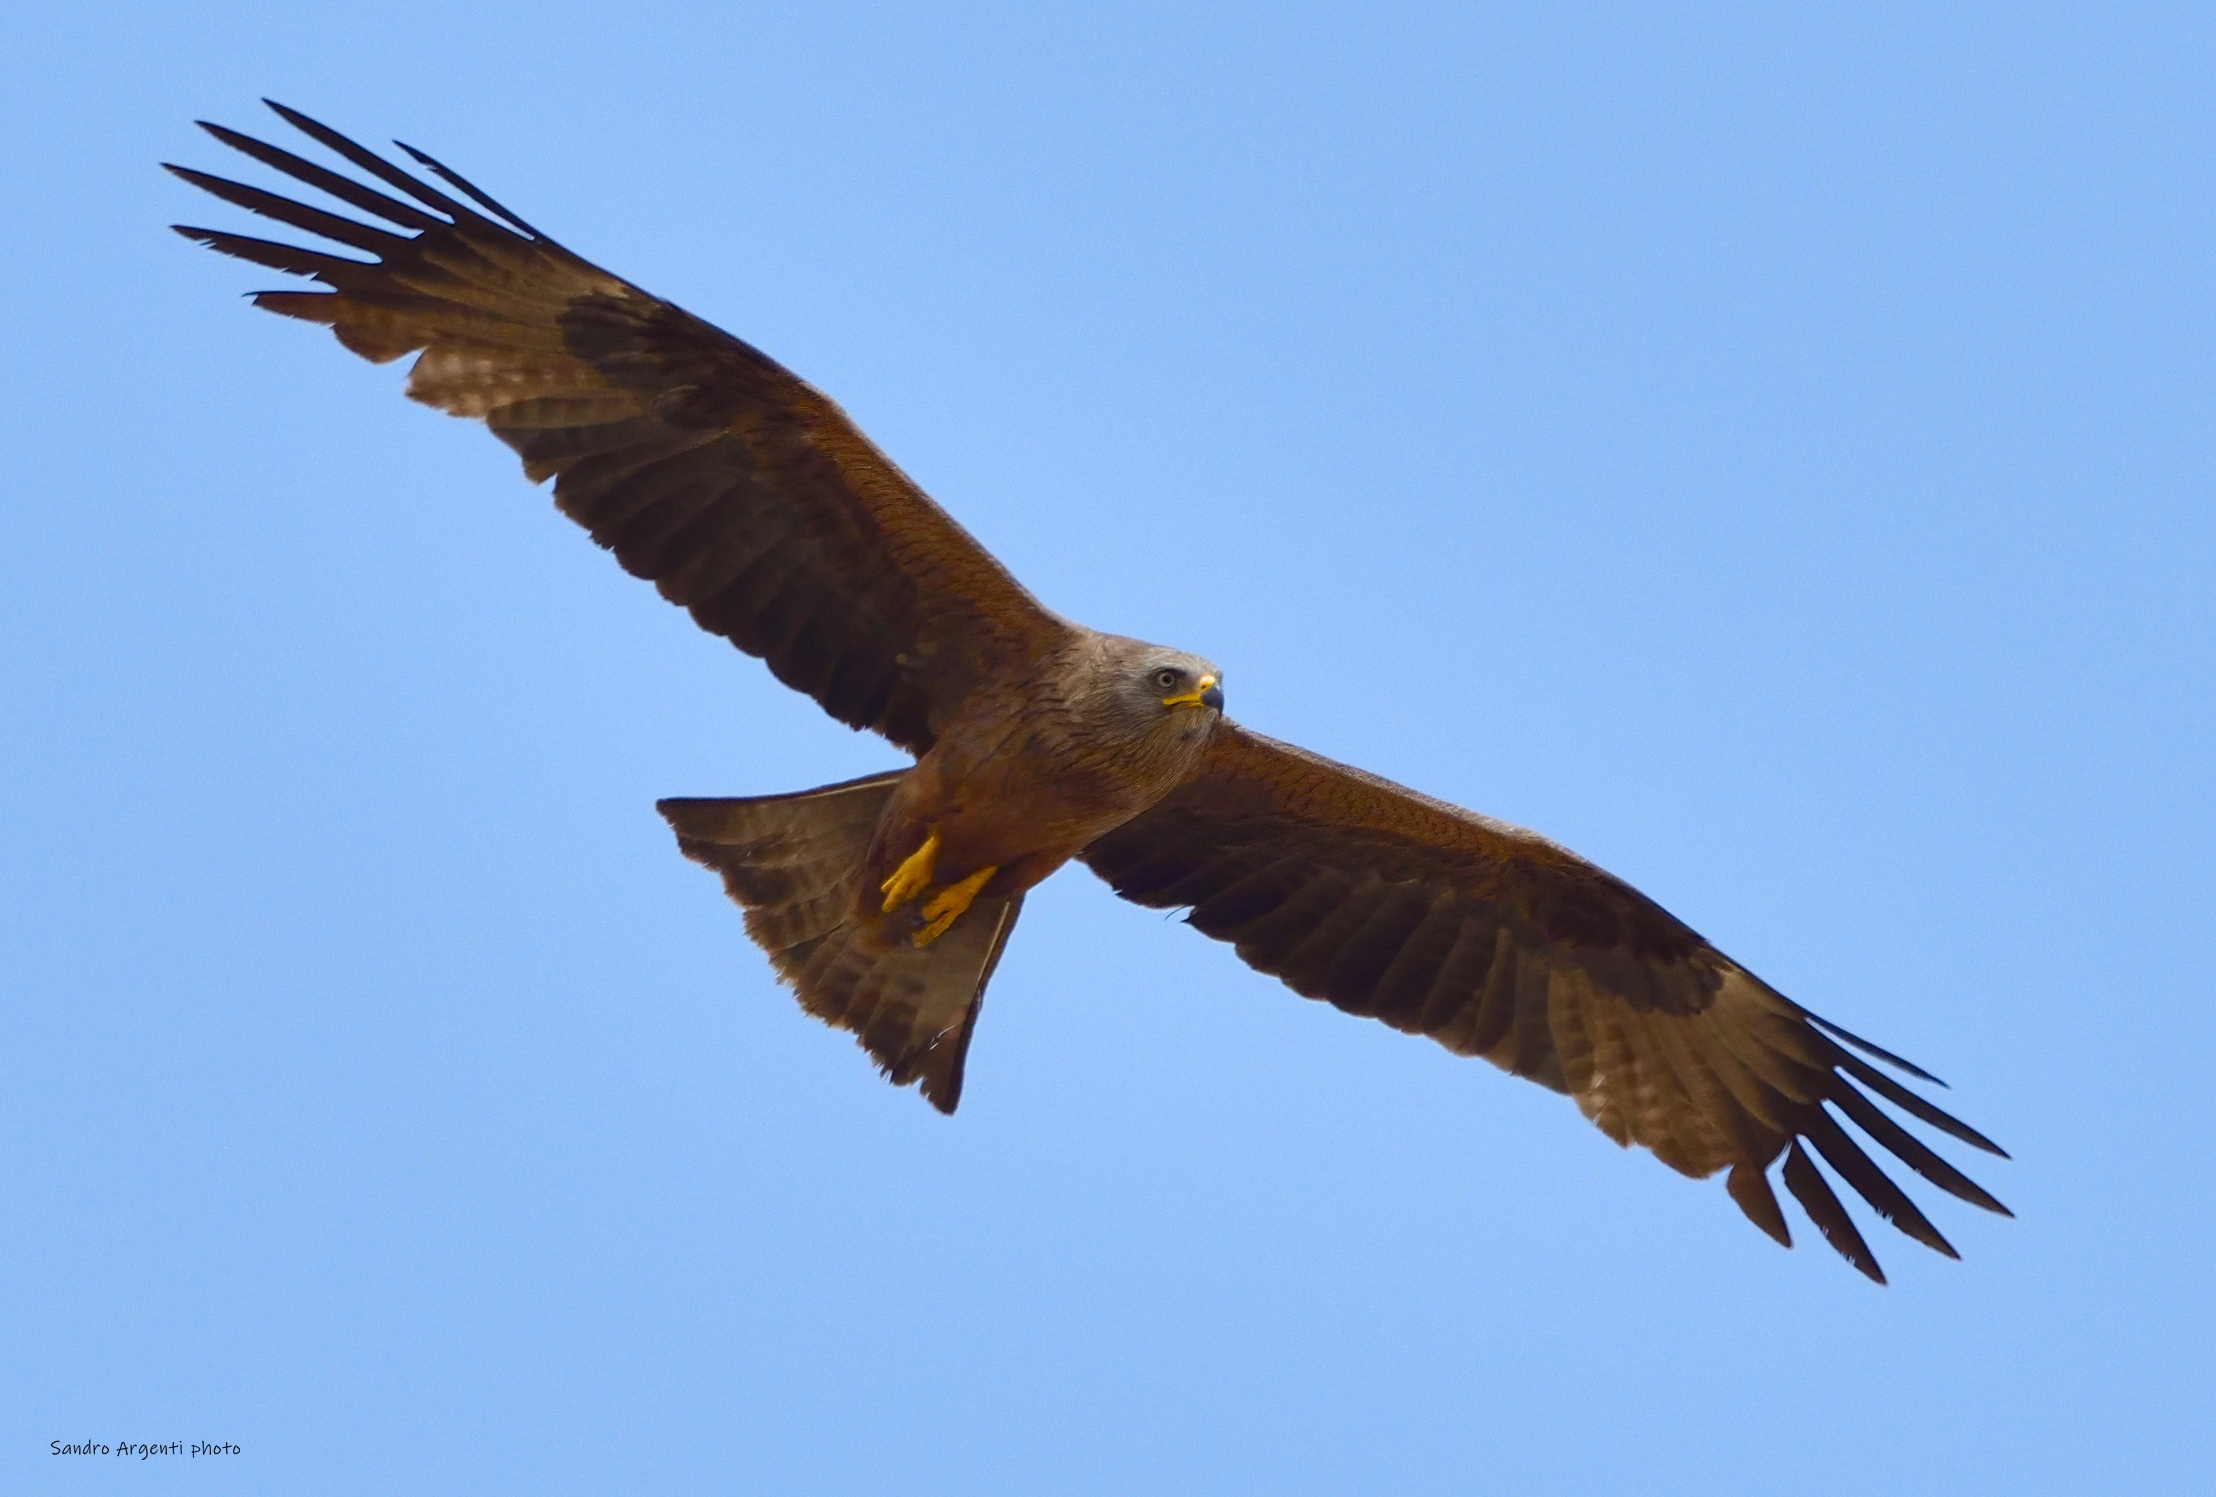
(742,493)
(1496,942)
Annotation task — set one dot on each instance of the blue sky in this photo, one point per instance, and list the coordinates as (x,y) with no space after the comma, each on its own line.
(1767,453)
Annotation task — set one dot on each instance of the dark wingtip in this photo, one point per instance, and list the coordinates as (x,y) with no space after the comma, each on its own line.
(1751,1192)
(1879,1189)
(226,134)
(291,116)
(1915,1106)
(1879,1051)
(462,184)
(206,181)
(1815,1196)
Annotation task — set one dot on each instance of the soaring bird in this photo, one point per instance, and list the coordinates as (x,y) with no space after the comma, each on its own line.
(750,500)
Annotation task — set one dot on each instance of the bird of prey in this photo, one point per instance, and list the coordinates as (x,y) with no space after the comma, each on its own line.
(750,500)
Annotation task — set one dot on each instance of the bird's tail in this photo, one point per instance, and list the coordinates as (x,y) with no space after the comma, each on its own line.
(793,863)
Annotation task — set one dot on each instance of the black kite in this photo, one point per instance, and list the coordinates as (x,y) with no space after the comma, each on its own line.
(749,499)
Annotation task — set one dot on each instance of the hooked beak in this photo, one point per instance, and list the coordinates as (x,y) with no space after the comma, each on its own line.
(1205,693)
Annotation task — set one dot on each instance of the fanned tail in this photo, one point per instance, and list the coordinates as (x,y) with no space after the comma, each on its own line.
(792,862)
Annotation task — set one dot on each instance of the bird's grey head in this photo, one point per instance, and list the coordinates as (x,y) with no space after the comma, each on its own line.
(1156,690)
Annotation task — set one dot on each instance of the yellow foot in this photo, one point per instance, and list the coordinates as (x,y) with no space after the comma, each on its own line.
(947,905)
(912,877)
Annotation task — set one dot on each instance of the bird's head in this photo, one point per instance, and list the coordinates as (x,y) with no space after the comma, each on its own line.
(1187,681)
(1163,693)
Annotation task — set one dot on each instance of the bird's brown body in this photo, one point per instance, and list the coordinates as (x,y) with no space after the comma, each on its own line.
(750,500)
(1043,765)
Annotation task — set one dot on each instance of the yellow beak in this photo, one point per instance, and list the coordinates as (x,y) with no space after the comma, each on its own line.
(1203,689)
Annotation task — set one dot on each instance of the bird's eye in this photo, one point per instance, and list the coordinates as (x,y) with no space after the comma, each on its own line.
(1167,679)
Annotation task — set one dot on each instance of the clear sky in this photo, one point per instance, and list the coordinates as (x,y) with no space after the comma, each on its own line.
(1766,448)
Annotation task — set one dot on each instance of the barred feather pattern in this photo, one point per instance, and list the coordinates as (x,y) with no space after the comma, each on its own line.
(792,862)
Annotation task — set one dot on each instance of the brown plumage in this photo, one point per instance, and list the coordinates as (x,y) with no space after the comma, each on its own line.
(749,499)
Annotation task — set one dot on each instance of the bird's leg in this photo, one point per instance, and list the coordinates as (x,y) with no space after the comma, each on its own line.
(912,877)
(947,905)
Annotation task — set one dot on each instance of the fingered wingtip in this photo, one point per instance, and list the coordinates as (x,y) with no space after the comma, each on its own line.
(238,140)
(299,121)
(1859,1043)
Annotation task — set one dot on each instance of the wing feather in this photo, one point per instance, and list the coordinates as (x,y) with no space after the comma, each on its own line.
(1908,1102)
(324,180)
(1498,943)
(1809,1188)
(746,496)
(1407,981)
(295,215)
(1871,1183)
(1750,1189)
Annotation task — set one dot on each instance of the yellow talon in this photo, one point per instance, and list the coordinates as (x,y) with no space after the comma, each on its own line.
(947,905)
(912,877)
